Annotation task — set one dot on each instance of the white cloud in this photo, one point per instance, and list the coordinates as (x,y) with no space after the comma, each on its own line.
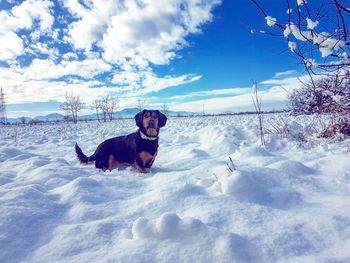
(287,83)
(152,83)
(19,17)
(215,92)
(43,48)
(145,31)
(121,38)
(270,99)
(70,56)
(11,46)
(92,20)
(273,92)
(44,69)
(36,83)
(29,11)
(30,91)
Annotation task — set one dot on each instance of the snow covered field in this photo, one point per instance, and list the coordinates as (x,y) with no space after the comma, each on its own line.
(287,202)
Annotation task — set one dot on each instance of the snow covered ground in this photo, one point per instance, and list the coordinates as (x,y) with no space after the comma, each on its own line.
(287,202)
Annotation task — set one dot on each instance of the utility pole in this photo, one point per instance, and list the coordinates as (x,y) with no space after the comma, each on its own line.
(3,116)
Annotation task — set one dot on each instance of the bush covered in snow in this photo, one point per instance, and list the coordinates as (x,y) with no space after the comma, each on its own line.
(326,95)
(342,127)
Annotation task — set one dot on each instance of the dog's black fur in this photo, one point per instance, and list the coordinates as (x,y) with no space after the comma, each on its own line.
(138,149)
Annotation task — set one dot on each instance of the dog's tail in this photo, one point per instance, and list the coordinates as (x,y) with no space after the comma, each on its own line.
(82,157)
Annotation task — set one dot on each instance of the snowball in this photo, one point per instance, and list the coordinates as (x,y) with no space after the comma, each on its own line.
(311,24)
(270,21)
(168,225)
(142,228)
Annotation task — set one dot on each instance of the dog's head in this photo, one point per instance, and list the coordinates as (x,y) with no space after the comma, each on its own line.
(150,121)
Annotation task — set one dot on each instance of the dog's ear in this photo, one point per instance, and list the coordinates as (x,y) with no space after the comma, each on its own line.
(139,118)
(162,119)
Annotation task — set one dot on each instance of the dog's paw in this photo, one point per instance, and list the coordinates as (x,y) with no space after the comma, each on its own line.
(142,170)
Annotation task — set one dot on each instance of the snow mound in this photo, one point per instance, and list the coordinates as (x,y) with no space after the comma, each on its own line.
(8,153)
(27,216)
(255,152)
(292,168)
(226,139)
(210,243)
(254,187)
(254,155)
(279,203)
(167,226)
(79,191)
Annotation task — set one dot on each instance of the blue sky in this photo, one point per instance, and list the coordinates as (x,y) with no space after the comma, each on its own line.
(186,53)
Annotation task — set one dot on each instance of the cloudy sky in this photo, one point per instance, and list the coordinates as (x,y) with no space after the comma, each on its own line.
(186,53)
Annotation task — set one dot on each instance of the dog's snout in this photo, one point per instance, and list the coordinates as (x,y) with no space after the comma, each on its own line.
(151,124)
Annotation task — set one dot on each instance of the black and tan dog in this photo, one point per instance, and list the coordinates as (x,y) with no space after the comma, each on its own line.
(138,149)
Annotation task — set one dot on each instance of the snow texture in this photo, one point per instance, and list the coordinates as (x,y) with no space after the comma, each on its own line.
(286,202)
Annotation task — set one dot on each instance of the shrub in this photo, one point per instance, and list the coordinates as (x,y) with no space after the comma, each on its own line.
(326,95)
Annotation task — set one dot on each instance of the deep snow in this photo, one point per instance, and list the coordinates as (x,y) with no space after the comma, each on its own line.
(286,202)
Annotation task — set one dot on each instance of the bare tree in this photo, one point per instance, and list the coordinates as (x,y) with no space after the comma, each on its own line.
(112,105)
(141,104)
(72,105)
(3,116)
(318,35)
(108,104)
(257,105)
(97,107)
(165,108)
(104,106)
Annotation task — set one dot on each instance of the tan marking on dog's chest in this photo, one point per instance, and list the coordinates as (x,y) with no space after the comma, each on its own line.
(146,157)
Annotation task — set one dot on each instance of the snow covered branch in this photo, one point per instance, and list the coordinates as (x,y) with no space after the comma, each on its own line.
(317,34)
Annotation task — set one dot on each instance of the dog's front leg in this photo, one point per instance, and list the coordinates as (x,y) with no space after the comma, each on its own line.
(111,163)
(141,169)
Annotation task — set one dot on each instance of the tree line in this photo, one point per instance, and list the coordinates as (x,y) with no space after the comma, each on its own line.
(104,107)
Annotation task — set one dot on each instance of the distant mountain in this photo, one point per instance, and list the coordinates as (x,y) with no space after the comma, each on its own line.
(50,117)
(125,113)
(131,112)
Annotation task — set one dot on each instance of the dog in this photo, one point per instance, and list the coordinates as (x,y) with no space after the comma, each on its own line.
(138,149)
